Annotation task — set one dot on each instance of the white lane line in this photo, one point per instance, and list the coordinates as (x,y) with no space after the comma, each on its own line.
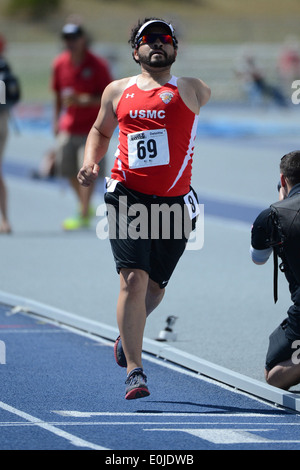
(230,436)
(90,414)
(74,440)
(147,423)
(29,331)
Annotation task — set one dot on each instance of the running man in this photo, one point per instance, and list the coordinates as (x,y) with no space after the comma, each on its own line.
(157,115)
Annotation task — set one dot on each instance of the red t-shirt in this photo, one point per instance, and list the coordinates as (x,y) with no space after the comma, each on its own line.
(156,140)
(91,76)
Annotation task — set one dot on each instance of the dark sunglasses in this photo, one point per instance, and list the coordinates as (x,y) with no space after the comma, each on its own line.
(152,37)
(71,36)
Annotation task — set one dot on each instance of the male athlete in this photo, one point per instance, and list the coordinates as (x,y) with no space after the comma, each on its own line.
(157,115)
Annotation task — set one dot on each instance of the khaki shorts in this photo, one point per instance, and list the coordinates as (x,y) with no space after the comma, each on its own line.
(69,154)
(4,117)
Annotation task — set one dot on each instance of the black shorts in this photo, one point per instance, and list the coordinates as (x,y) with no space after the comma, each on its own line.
(147,232)
(280,347)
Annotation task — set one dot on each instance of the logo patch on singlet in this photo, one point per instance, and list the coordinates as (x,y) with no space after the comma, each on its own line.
(166,96)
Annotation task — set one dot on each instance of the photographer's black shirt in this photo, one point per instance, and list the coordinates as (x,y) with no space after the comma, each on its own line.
(260,253)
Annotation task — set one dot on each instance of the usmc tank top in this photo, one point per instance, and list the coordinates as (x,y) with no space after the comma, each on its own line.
(156,140)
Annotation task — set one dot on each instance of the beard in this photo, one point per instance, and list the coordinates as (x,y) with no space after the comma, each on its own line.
(160,60)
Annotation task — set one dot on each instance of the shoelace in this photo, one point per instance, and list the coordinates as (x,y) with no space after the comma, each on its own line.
(134,378)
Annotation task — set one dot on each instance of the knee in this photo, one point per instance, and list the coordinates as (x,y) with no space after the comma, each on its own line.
(154,290)
(134,281)
(271,378)
(266,375)
(279,377)
(268,378)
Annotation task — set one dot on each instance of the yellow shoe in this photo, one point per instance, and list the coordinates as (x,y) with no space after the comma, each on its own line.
(76,223)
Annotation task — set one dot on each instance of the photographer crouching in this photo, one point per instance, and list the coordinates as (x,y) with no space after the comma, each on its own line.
(277,230)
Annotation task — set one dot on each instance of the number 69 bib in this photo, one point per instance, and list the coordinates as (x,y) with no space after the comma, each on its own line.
(148,148)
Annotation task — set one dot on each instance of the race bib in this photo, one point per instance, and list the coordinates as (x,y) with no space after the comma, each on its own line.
(148,148)
(192,204)
(110,184)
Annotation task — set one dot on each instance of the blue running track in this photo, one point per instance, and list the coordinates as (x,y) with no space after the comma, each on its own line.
(62,390)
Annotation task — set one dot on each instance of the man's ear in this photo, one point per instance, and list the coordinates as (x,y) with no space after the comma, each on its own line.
(135,56)
(282,180)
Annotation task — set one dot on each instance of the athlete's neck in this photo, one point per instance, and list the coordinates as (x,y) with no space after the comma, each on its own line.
(149,79)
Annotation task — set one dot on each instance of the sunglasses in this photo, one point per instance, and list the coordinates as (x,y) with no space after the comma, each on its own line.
(71,37)
(152,37)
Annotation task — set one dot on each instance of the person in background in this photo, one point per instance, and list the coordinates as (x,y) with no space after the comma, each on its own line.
(255,83)
(277,230)
(79,78)
(10,95)
(289,62)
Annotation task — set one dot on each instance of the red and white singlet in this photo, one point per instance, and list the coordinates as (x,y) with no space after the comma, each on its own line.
(156,140)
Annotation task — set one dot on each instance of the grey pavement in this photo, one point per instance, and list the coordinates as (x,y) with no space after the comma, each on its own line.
(223,302)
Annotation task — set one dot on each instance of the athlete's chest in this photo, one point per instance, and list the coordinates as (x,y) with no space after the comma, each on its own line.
(157,104)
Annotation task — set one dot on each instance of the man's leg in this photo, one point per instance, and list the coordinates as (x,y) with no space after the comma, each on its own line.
(281,370)
(131,314)
(4,223)
(69,155)
(154,296)
(284,375)
(84,195)
(138,297)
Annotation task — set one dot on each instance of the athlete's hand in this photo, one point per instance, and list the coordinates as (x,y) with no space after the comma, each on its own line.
(88,174)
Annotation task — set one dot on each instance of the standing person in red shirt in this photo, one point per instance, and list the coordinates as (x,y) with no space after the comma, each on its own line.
(78,81)
(157,114)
